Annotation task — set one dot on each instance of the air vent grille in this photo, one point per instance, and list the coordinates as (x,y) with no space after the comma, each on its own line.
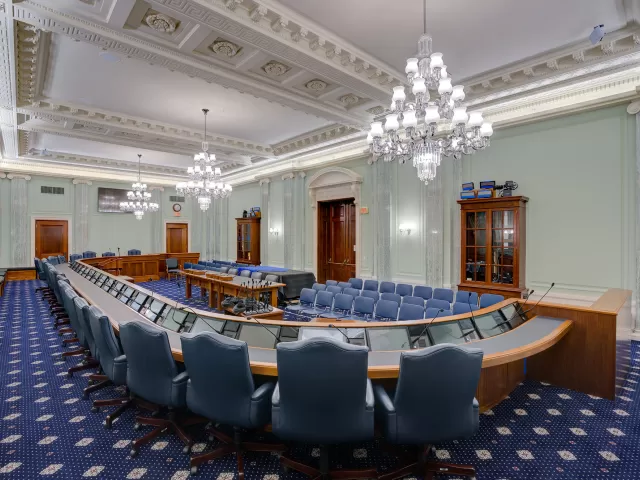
(177,199)
(52,190)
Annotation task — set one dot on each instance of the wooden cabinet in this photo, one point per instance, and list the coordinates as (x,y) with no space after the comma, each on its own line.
(248,240)
(492,250)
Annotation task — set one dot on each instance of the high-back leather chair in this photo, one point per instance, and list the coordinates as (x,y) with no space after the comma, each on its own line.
(88,254)
(134,251)
(53,260)
(153,375)
(323,396)
(433,403)
(62,259)
(108,254)
(74,257)
(225,395)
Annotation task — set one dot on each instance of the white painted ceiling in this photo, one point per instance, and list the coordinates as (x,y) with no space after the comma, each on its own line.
(78,74)
(474,36)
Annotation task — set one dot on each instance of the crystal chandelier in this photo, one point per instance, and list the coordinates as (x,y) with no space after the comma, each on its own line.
(421,115)
(139,198)
(205,180)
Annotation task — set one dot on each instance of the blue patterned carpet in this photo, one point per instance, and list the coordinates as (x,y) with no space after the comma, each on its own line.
(47,429)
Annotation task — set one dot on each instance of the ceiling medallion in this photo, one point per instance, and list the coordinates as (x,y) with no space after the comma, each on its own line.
(349,99)
(316,85)
(275,69)
(161,22)
(225,48)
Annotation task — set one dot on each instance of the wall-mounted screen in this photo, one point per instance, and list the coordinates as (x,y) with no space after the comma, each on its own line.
(109,199)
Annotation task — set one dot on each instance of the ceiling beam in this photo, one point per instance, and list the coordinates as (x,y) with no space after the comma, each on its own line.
(119,13)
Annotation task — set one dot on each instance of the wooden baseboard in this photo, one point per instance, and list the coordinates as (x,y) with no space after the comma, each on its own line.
(20,275)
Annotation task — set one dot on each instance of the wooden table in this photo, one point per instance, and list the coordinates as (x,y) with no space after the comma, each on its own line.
(142,268)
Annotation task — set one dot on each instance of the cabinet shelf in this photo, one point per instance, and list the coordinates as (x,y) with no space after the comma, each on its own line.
(248,240)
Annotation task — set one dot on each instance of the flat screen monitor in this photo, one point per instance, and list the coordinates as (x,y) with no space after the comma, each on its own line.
(488,324)
(173,319)
(109,199)
(383,339)
(449,332)
(419,336)
(137,301)
(125,294)
(106,286)
(289,334)
(115,289)
(258,335)
(153,309)
(207,325)
(307,332)
(468,329)
(511,315)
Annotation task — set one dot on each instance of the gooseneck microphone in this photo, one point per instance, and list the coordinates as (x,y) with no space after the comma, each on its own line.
(424,330)
(265,327)
(545,294)
(526,311)
(343,334)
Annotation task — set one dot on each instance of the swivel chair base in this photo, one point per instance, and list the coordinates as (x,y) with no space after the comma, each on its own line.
(123,403)
(323,473)
(233,445)
(169,424)
(429,468)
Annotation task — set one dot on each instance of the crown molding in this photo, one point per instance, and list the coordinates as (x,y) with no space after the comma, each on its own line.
(161,189)
(8,130)
(18,176)
(80,181)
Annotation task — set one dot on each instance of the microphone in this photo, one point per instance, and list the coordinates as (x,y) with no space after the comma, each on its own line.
(343,334)
(118,251)
(265,327)
(473,319)
(520,307)
(424,330)
(527,311)
(464,335)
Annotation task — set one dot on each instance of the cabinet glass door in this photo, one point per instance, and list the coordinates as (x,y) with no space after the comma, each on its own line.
(502,246)
(476,246)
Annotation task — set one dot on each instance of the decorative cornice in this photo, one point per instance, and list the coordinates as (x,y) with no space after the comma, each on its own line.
(288,176)
(155,187)
(264,181)
(321,137)
(31,47)
(18,176)
(81,181)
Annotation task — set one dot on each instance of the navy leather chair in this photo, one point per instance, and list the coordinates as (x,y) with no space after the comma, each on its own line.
(387,287)
(467,297)
(413,300)
(423,291)
(245,273)
(409,311)
(225,395)
(386,310)
(108,254)
(356,283)
(324,302)
(370,285)
(233,271)
(53,260)
(329,283)
(404,289)
(172,267)
(88,254)
(394,297)
(443,294)
(460,308)
(435,303)
(433,403)
(74,257)
(61,259)
(68,296)
(90,361)
(323,396)
(153,375)
(488,299)
(224,269)
(113,362)
(134,251)
(271,278)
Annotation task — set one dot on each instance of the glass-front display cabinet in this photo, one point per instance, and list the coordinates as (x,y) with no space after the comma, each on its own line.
(248,240)
(492,250)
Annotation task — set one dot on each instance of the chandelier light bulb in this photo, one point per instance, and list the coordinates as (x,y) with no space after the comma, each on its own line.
(460,116)
(398,94)
(376,129)
(217,172)
(436,60)
(444,73)
(431,114)
(409,120)
(486,130)
(391,123)
(419,86)
(369,138)
(445,86)
(412,66)
(475,119)
(458,93)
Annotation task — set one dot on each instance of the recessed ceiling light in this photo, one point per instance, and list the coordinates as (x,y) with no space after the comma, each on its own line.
(109,57)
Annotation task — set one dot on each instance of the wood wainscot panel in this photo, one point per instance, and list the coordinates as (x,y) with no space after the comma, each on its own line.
(26,274)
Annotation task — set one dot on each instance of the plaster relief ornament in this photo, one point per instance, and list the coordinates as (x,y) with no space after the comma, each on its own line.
(316,85)
(161,22)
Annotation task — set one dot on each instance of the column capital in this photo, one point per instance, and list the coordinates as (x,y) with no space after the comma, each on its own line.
(11,176)
(288,176)
(3,175)
(264,181)
(302,174)
(82,181)
(634,107)
(156,188)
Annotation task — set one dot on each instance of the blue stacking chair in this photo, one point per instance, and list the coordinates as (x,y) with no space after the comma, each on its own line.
(318,287)
(432,312)
(334,289)
(344,285)
(460,308)
(370,285)
(323,397)
(404,289)
(330,283)
(435,303)
(387,287)
(362,309)
(413,300)
(324,302)
(351,291)
(54,260)
(443,294)
(391,296)
(256,275)
(432,403)
(307,299)
(409,311)
(228,395)
(342,305)
(88,254)
(356,283)
(371,294)
(386,310)
(134,251)
(488,299)
(224,269)
(74,257)
(188,265)
(467,297)
(108,254)
(233,271)
(423,291)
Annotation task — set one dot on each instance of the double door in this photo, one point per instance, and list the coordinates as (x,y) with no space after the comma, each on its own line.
(337,240)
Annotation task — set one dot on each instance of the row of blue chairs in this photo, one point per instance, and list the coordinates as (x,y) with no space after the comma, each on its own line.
(90,254)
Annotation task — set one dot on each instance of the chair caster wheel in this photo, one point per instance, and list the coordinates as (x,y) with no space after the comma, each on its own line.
(107,423)
(155,413)
(60,357)
(136,426)
(186,449)
(95,409)
(85,396)
(285,469)
(90,382)
(194,470)
(133,452)
(69,374)
(211,438)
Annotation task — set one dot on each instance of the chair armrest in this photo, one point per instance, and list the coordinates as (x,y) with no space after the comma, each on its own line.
(120,370)
(369,397)
(263,391)
(181,378)
(383,400)
(475,404)
(275,398)
(120,360)
(179,389)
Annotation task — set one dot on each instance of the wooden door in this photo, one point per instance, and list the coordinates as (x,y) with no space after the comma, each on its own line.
(51,238)
(336,241)
(177,238)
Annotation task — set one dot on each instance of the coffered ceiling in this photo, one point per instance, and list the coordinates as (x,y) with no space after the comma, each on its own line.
(90,83)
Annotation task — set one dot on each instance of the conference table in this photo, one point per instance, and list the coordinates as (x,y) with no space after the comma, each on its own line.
(594,339)
(142,268)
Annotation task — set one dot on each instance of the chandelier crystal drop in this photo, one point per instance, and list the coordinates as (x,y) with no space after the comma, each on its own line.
(139,199)
(410,131)
(205,180)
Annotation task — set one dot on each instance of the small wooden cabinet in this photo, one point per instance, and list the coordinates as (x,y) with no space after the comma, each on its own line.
(493,238)
(248,240)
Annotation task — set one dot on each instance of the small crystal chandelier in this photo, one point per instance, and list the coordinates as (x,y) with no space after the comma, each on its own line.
(205,180)
(420,117)
(139,198)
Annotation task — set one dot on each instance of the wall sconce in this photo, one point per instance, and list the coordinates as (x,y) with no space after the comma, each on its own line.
(405,229)
(274,231)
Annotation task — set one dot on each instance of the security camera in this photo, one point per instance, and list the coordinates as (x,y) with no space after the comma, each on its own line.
(597,35)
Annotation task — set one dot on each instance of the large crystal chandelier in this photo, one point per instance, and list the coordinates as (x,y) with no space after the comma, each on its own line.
(139,198)
(205,180)
(419,117)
